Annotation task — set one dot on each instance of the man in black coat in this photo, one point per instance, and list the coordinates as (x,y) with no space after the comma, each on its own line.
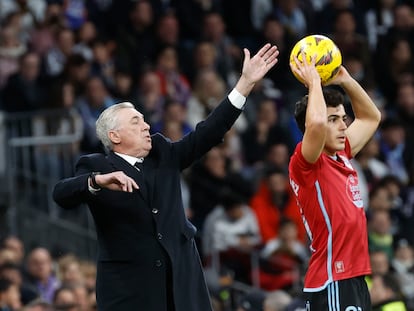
(147,257)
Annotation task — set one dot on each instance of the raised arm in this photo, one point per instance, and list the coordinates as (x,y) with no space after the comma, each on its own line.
(316,121)
(367,115)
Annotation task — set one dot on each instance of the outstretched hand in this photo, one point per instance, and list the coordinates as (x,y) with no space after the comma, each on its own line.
(256,67)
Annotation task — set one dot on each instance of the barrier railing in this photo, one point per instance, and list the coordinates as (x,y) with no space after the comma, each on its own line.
(41,148)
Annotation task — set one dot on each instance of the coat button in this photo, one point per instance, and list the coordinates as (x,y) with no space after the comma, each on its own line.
(159,235)
(154,211)
(158,263)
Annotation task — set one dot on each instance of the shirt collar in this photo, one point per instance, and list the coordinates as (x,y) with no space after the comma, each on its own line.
(130,159)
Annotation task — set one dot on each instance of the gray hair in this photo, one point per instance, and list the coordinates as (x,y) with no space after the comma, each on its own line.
(108,121)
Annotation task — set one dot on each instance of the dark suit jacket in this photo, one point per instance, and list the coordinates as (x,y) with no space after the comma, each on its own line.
(143,236)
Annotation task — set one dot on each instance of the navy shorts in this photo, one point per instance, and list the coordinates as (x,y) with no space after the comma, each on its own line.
(345,295)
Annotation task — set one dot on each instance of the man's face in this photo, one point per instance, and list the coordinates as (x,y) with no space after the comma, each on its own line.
(132,136)
(335,138)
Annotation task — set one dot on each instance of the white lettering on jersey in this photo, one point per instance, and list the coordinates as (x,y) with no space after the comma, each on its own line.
(353,191)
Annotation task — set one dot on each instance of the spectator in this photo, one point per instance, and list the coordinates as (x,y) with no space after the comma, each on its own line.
(283,259)
(370,169)
(11,49)
(103,62)
(394,65)
(228,54)
(88,269)
(265,132)
(122,88)
(370,166)
(204,58)
(189,15)
(273,201)
(86,35)
(43,34)
(209,180)
(135,38)
(9,296)
(274,31)
(13,273)
(41,274)
(231,232)
(75,13)
(69,271)
(56,57)
(95,99)
(149,96)
(379,233)
(406,216)
(173,83)
(31,11)
(378,20)
(16,245)
(174,113)
(386,294)
(326,16)
(354,47)
(208,88)
(380,263)
(252,301)
(25,90)
(292,17)
(65,300)
(38,305)
(403,266)
(393,148)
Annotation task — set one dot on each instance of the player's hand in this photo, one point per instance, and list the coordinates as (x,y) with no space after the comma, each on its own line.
(117,181)
(341,77)
(306,70)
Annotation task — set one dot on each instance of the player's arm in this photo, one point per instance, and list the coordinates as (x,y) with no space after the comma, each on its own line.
(367,115)
(316,121)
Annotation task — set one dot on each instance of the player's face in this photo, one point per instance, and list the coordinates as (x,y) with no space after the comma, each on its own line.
(335,138)
(133,136)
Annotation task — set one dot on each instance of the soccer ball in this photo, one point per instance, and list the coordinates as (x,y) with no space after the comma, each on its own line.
(328,56)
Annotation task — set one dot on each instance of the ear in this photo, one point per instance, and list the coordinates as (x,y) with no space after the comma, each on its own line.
(114,137)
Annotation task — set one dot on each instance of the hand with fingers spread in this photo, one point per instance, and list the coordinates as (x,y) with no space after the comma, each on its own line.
(256,67)
(117,181)
(306,70)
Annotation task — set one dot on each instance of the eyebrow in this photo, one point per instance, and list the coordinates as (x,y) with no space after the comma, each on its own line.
(337,116)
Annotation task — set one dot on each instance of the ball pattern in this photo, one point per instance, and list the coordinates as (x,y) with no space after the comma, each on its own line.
(328,55)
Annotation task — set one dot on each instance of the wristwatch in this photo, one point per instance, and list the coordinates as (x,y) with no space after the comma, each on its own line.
(94,184)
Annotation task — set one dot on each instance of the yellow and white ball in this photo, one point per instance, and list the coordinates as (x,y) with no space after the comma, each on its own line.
(328,56)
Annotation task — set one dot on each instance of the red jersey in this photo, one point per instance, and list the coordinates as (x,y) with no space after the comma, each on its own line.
(333,213)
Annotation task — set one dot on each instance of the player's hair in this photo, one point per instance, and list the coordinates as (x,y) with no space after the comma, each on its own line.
(107,121)
(333,98)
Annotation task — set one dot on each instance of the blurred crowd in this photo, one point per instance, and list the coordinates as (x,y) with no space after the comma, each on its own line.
(175,60)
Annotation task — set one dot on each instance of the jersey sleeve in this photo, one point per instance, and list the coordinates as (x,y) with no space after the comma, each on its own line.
(301,170)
